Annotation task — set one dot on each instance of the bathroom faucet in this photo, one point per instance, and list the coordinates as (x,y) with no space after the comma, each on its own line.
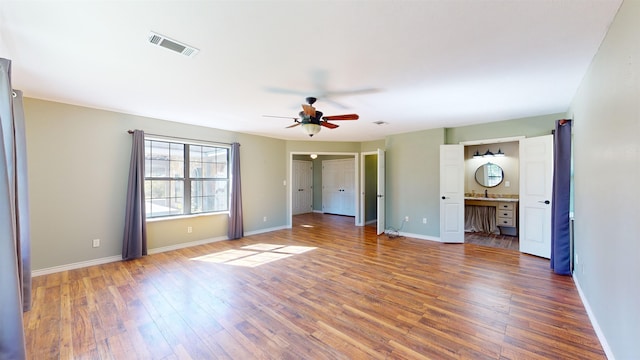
(485,193)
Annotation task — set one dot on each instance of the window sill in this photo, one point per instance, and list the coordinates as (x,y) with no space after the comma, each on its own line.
(182,217)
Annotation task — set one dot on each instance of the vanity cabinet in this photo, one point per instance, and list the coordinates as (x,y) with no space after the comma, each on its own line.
(506,217)
(506,213)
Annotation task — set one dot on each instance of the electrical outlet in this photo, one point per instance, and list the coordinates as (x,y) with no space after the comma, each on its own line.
(189,229)
(406,218)
(424,220)
(96,243)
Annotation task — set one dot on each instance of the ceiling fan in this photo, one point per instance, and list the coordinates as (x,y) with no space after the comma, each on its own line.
(312,120)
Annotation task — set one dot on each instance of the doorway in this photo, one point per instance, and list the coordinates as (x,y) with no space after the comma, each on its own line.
(492,173)
(316,190)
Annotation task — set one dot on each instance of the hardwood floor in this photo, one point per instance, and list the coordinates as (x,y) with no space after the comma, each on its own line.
(329,291)
(492,240)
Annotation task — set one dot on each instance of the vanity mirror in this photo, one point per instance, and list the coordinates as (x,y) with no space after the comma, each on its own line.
(489,175)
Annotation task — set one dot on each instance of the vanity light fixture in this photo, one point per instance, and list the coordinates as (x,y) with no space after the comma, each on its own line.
(477,155)
(499,153)
(488,153)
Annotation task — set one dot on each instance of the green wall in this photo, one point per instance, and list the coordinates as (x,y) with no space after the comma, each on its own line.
(528,127)
(606,112)
(412,181)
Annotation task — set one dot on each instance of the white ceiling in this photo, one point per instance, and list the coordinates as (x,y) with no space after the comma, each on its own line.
(426,64)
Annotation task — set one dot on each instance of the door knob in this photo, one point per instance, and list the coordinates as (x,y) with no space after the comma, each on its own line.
(547,202)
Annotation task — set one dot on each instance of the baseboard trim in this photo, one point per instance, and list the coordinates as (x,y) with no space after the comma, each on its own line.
(420,236)
(261,231)
(109,259)
(186,245)
(77,265)
(371,221)
(594,321)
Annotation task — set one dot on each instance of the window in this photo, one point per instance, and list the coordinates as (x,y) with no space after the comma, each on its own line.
(183,179)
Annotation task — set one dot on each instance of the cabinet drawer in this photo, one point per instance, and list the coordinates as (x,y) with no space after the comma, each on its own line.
(505,206)
(505,213)
(506,222)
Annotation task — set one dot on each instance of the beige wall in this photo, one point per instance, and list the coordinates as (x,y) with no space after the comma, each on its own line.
(509,164)
(78,161)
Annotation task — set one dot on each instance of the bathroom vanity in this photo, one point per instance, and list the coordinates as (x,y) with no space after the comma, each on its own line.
(506,212)
(496,205)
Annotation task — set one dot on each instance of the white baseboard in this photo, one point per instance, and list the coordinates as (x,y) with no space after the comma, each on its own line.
(186,245)
(371,221)
(109,259)
(420,236)
(261,231)
(78,265)
(594,321)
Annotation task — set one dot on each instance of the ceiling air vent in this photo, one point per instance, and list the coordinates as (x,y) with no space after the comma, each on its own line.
(176,46)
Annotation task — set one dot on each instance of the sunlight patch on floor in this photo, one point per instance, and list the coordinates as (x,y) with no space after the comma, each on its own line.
(254,255)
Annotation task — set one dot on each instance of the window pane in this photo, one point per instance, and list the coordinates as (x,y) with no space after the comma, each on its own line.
(165,176)
(164,159)
(163,197)
(209,195)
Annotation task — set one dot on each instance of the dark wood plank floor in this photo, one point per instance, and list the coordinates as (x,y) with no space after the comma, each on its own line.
(492,240)
(322,290)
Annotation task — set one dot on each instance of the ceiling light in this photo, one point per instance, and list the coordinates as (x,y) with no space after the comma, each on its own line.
(311,129)
(314,156)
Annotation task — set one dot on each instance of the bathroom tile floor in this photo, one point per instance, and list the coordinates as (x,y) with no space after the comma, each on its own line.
(492,240)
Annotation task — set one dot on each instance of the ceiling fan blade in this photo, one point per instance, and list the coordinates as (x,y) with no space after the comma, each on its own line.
(294,125)
(342,117)
(309,110)
(329,125)
(280,117)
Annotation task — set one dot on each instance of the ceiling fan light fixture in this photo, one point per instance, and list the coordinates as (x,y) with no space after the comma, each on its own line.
(311,129)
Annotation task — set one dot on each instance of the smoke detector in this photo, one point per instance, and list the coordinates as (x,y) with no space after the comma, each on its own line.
(170,44)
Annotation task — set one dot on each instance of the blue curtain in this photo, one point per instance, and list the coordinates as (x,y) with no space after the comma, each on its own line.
(560,225)
(14,226)
(235,230)
(134,243)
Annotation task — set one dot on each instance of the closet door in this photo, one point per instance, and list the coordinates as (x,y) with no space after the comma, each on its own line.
(338,187)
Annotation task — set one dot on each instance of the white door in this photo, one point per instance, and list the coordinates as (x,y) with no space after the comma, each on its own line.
(347,185)
(302,187)
(452,193)
(380,192)
(536,187)
(338,187)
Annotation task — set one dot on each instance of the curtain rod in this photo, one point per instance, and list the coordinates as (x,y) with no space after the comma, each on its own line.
(187,139)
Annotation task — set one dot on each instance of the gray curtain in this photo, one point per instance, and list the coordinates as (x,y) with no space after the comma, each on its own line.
(134,243)
(236,230)
(560,205)
(14,225)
